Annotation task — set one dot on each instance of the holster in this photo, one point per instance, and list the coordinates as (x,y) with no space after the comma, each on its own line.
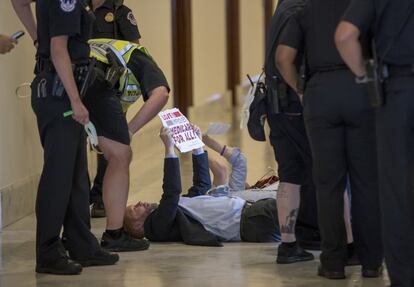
(375,76)
(114,70)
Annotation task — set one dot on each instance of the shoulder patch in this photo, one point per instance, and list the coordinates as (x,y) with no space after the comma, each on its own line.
(67,5)
(131,18)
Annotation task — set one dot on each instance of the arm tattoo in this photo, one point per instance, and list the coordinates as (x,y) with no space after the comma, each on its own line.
(289,226)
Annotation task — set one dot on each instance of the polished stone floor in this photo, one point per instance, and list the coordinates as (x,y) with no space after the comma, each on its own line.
(170,265)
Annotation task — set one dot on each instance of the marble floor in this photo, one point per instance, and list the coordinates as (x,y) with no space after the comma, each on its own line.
(235,264)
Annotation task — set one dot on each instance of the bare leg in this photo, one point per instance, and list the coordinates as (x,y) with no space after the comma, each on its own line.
(116,181)
(219,170)
(288,201)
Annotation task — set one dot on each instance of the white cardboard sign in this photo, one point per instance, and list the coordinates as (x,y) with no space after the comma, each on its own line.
(182,133)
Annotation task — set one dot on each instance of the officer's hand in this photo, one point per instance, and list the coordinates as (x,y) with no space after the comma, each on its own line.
(6,44)
(80,113)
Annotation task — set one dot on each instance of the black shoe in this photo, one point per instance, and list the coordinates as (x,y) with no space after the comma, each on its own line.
(62,266)
(330,274)
(124,243)
(100,258)
(372,273)
(352,257)
(98,210)
(287,254)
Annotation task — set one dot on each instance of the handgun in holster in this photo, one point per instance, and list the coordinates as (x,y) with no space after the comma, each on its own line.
(272,95)
(302,81)
(282,93)
(115,69)
(375,76)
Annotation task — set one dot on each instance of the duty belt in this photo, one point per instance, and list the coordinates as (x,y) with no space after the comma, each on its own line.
(400,71)
(327,69)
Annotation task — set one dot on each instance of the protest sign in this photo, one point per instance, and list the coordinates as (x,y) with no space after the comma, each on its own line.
(182,133)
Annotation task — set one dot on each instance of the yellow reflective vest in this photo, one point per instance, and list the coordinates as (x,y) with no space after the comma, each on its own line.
(128,85)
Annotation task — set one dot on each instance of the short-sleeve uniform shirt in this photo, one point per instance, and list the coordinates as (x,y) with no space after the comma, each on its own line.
(72,18)
(312,31)
(115,22)
(383,18)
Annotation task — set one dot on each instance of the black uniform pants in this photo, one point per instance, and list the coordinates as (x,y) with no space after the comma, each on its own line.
(62,198)
(395,128)
(292,152)
(95,195)
(341,128)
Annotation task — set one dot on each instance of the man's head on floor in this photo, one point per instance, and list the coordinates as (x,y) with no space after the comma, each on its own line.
(135,216)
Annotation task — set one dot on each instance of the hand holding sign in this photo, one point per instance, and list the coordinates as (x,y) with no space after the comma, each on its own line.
(182,132)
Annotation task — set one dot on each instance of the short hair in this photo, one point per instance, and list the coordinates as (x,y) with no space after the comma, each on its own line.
(135,228)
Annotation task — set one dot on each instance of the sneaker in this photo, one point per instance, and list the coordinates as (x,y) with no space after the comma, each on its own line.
(331,274)
(287,254)
(100,258)
(98,210)
(61,266)
(124,243)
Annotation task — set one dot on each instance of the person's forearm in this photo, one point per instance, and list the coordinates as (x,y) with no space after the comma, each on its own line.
(63,65)
(147,112)
(349,47)
(289,74)
(170,152)
(24,12)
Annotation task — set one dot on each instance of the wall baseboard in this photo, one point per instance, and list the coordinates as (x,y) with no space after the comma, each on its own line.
(18,200)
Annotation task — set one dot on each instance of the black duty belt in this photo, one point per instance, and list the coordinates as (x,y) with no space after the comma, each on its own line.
(46,65)
(327,69)
(400,71)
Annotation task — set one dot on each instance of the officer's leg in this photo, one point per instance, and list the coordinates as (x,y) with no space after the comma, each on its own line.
(96,191)
(116,181)
(96,200)
(60,139)
(326,137)
(395,138)
(81,242)
(362,168)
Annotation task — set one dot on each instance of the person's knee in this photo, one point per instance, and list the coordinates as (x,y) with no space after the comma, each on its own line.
(120,154)
(219,171)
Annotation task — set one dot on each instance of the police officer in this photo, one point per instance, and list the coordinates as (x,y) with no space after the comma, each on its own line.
(296,197)
(391,23)
(107,100)
(113,21)
(62,199)
(340,125)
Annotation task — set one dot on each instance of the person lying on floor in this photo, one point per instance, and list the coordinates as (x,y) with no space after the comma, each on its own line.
(201,220)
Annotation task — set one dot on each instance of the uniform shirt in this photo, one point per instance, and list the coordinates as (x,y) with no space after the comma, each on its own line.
(313,29)
(64,18)
(219,215)
(383,18)
(119,24)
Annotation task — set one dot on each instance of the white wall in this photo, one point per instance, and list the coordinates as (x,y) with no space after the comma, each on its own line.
(20,155)
(252,37)
(209,49)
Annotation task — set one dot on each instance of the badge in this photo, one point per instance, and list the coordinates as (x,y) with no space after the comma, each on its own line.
(109,17)
(131,18)
(67,5)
